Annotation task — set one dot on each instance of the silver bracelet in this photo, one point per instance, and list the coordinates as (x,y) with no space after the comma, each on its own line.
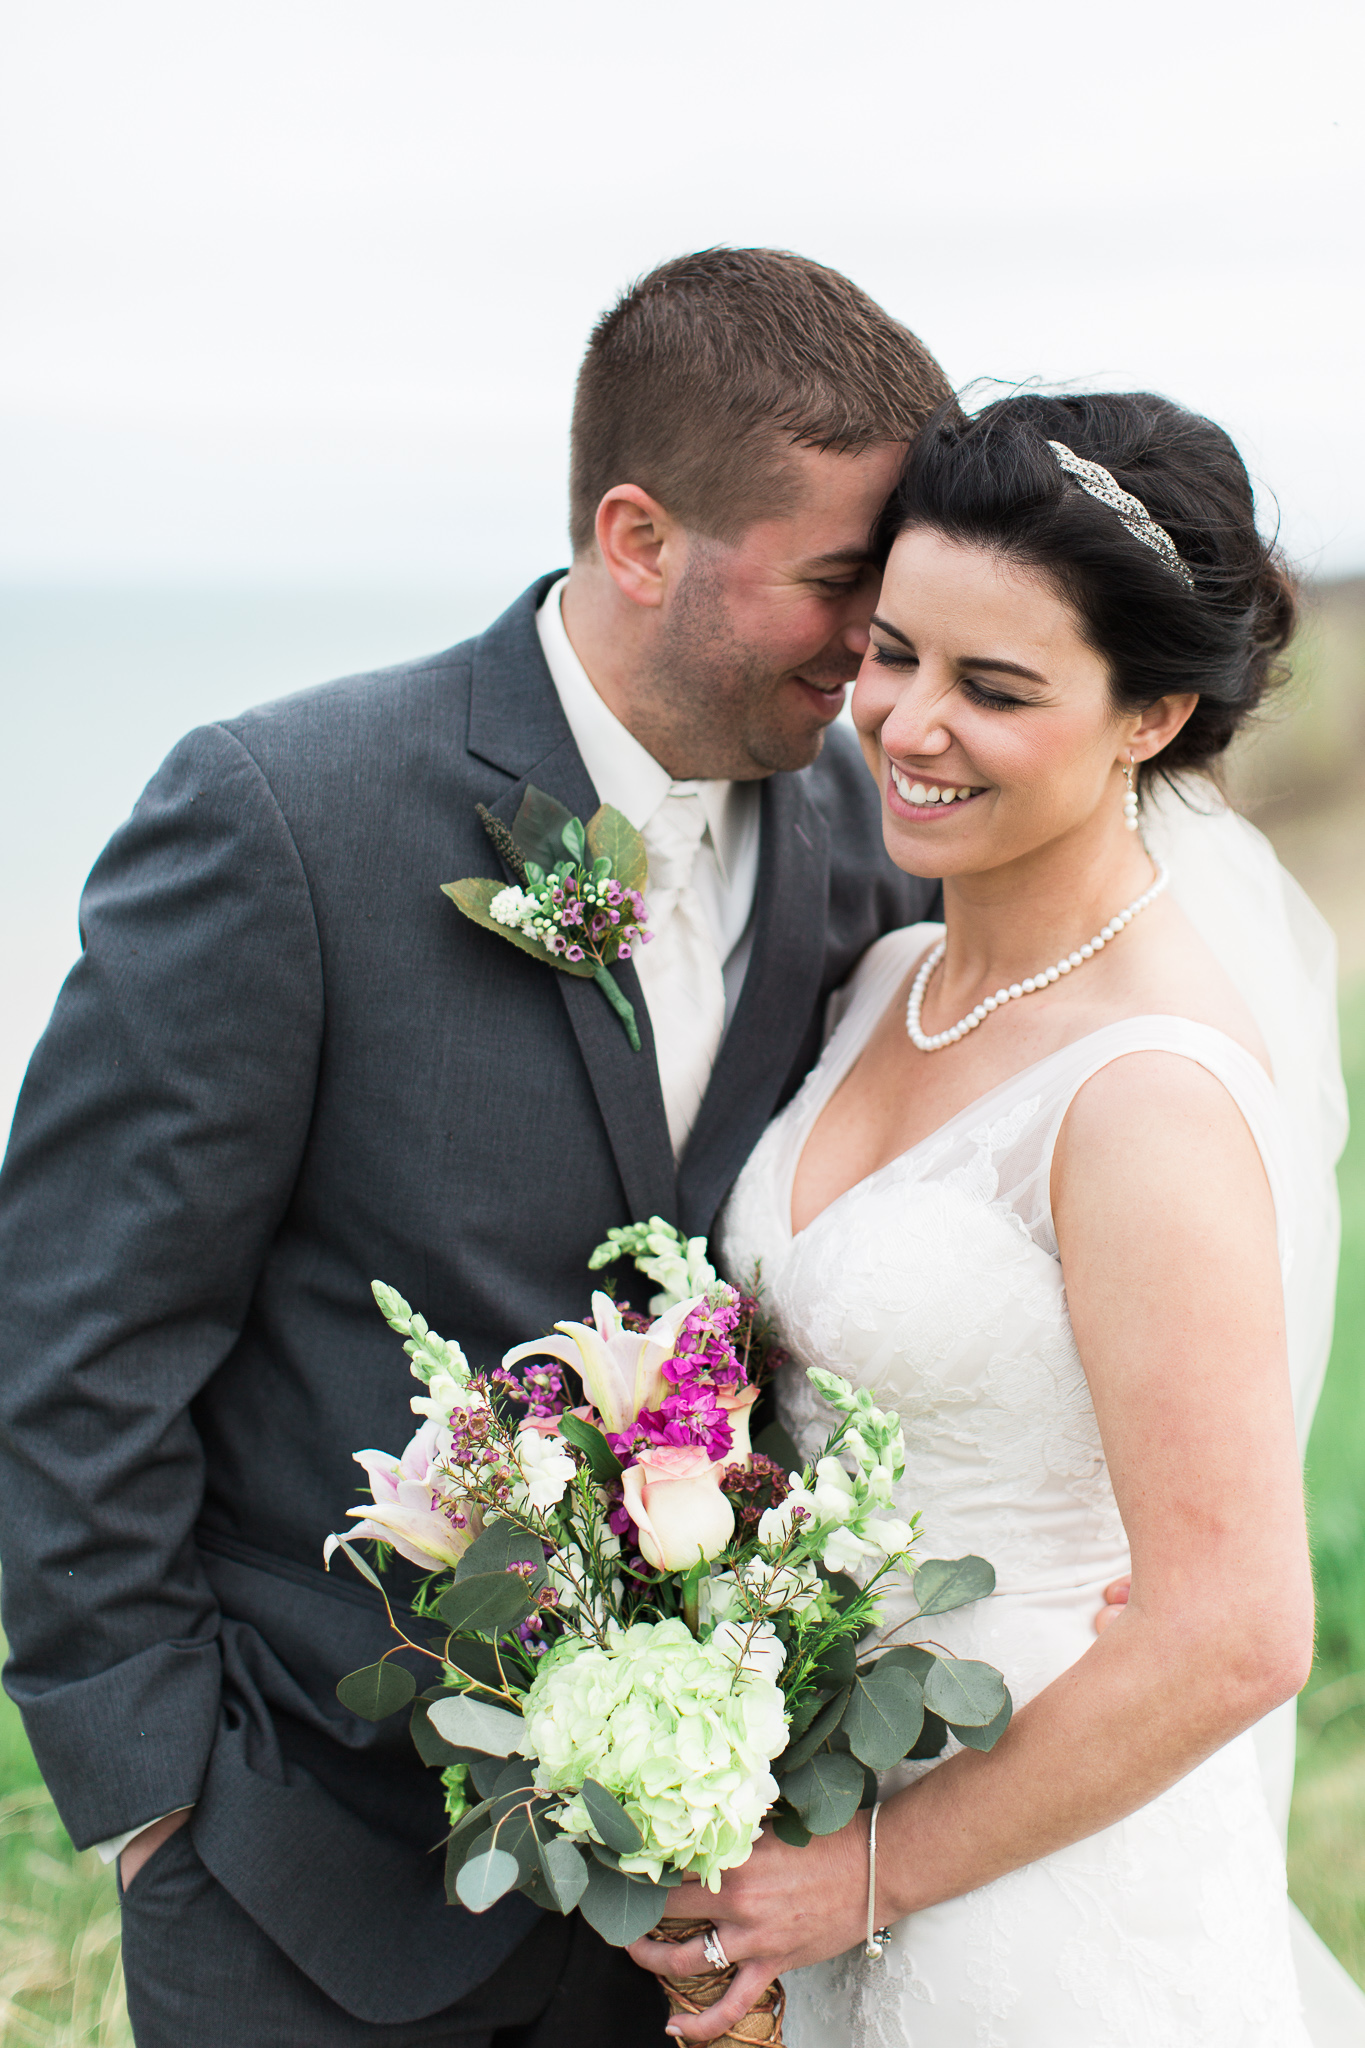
(877,1937)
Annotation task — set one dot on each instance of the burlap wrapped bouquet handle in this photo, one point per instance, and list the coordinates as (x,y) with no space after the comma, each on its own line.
(762,2022)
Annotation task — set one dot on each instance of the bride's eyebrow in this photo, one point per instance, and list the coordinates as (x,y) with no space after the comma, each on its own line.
(1009,668)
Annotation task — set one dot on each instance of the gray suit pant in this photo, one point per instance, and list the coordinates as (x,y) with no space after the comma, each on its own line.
(201,1974)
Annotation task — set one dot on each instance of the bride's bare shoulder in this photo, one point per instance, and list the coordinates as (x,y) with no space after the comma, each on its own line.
(1177,975)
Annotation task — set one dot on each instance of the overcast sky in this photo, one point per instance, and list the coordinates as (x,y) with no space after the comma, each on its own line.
(294,293)
(297,288)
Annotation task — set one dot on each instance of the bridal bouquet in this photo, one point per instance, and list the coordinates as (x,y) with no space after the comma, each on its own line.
(650,1636)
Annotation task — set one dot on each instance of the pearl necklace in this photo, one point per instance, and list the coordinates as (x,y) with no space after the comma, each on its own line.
(1017,988)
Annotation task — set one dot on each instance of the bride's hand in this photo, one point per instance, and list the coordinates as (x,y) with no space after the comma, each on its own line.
(781,1910)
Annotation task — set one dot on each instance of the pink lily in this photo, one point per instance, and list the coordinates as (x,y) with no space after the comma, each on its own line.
(621,1369)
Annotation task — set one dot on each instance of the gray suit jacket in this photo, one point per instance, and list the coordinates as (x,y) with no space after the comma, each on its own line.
(284,1065)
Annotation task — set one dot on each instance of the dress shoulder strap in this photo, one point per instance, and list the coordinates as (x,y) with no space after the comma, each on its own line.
(1057,1081)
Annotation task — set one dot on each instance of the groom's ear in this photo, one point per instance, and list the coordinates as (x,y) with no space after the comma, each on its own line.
(640,544)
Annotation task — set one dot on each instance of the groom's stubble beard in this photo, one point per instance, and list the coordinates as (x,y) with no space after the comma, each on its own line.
(714,706)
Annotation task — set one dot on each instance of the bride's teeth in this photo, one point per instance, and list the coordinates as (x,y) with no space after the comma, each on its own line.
(964,793)
(917,793)
(947,796)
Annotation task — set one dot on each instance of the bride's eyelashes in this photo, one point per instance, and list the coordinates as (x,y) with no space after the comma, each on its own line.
(973,691)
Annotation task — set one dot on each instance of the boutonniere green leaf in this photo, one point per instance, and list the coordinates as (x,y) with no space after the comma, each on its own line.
(576,903)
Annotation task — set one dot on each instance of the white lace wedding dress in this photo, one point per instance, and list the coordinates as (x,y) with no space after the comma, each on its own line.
(935,1283)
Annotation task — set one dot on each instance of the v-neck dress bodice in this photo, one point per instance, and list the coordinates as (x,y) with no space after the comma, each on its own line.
(935,1283)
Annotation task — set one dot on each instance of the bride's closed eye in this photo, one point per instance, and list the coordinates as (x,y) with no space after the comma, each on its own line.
(975,692)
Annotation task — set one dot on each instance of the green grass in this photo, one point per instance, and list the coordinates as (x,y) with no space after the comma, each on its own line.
(1327,1826)
(60,1983)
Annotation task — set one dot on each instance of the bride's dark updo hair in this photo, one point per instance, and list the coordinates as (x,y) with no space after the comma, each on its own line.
(994,482)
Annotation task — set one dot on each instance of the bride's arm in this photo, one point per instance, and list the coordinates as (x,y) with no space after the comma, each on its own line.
(1167,1237)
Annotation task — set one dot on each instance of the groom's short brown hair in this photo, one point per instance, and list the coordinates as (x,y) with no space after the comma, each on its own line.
(702,375)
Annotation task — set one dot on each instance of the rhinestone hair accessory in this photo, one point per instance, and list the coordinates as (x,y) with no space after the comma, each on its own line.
(1093,477)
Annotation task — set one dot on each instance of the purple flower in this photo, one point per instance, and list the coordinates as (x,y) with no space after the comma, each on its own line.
(573,953)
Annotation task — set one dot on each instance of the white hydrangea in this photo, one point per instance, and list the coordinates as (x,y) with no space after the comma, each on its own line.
(664,1724)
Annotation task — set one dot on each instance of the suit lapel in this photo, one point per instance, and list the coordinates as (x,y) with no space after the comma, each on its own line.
(774,1011)
(517,725)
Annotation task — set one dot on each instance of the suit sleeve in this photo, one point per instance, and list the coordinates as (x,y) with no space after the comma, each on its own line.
(154,1149)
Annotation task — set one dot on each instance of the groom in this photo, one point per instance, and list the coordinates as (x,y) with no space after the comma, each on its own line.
(284,1064)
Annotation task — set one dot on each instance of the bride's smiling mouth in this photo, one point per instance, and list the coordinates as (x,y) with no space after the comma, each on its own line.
(920,796)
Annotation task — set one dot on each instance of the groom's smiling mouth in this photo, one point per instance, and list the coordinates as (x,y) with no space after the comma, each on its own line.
(827,698)
(925,797)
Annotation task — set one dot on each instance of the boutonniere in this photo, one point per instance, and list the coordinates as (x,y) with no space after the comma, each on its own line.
(576,902)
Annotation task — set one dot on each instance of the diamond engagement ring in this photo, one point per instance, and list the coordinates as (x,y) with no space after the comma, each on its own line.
(712,1950)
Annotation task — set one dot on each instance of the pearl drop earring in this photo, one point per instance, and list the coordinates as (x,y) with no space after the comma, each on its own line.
(1130,800)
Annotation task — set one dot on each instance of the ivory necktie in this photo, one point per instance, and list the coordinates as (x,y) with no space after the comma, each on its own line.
(680,969)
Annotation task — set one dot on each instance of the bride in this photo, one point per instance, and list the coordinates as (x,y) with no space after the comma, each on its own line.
(1056,1193)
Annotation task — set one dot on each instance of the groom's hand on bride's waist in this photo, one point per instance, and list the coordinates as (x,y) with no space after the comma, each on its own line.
(1115,1600)
(781,1910)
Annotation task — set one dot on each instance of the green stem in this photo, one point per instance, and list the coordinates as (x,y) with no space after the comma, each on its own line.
(691,1598)
(625,1010)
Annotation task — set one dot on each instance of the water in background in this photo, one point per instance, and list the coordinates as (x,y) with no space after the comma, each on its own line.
(95,688)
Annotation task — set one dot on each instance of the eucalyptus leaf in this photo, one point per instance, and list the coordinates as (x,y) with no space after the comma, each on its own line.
(485,1879)
(607,1856)
(477,1661)
(484,1773)
(538,827)
(474,895)
(612,837)
(842,1587)
(790,1828)
(800,1750)
(942,1583)
(987,1737)
(603,1462)
(565,1871)
(964,1693)
(474,1724)
(932,1737)
(377,1691)
(431,1746)
(610,1819)
(459,1850)
(490,1604)
(803,1715)
(502,1545)
(620,1908)
(884,1716)
(474,1817)
(904,1657)
(518,1775)
(514,1831)
(826,1791)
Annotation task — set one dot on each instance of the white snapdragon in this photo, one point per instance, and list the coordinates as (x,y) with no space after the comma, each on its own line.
(445,1397)
(546,1468)
(775,1524)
